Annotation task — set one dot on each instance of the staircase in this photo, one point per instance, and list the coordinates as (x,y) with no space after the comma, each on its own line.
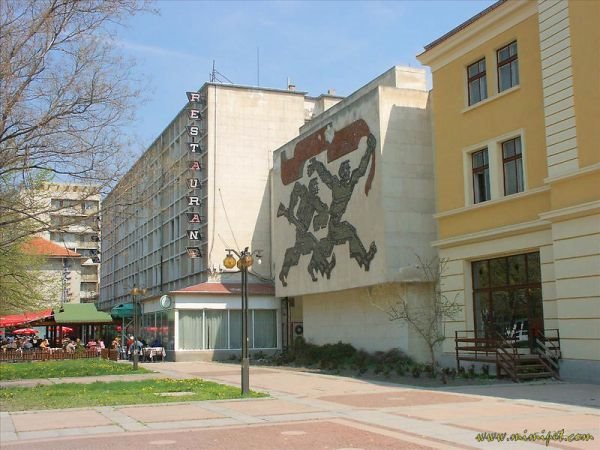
(518,363)
(521,365)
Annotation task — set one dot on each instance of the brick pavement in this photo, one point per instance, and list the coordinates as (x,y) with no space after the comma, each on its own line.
(313,411)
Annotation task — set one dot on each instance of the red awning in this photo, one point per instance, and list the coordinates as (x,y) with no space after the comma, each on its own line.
(19,319)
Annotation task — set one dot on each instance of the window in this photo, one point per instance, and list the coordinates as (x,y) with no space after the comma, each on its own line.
(235,328)
(508,67)
(507,296)
(477,82)
(512,161)
(190,330)
(481,176)
(265,328)
(213,329)
(494,169)
(216,329)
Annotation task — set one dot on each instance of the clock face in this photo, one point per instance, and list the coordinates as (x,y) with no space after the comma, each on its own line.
(165,301)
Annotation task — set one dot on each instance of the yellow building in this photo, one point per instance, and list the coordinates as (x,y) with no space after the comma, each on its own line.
(516,108)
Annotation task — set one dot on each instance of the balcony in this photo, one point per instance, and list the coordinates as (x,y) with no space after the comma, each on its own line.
(91,278)
(88,295)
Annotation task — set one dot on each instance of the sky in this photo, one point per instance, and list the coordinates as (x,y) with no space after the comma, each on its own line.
(317,45)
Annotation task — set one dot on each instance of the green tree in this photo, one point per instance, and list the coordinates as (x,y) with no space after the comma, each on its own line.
(20,278)
(65,94)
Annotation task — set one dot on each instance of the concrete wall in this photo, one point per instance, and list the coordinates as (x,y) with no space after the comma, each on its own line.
(244,127)
(52,273)
(390,205)
(385,212)
(358,316)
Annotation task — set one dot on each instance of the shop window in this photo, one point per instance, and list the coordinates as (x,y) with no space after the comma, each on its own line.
(265,328)
(217,329)
(190,330)
(507,297)
(235,329)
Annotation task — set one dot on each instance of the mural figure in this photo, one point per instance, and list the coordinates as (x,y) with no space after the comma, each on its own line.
(310,209)
(342,186)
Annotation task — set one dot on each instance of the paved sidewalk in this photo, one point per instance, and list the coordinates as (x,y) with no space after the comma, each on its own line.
(313,411)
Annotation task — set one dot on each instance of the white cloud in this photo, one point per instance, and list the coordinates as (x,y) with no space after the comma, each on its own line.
(155,50)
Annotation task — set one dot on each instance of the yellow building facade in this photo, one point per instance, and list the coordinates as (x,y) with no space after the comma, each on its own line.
(516,108)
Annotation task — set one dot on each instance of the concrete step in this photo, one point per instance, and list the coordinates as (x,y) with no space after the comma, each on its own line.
(533,375)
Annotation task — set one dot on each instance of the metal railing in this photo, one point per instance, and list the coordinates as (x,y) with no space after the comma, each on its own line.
(7,355)
(507,357)
(507,353)
(547,347)
(469,347)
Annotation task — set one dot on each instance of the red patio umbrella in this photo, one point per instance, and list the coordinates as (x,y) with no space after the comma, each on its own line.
(26,331)
(66,329)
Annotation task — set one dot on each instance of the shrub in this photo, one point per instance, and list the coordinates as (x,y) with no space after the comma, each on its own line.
(361,360)
(485,370)
(471,371)
(416,371)
(400,370)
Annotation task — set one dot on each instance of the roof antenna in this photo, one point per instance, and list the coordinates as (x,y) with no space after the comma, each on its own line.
(217,77)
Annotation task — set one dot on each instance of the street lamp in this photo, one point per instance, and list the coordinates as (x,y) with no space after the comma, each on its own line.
(134,293)
(243,263)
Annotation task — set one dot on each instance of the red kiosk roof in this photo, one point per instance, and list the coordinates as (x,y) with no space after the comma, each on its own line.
(227,289)
(19,319)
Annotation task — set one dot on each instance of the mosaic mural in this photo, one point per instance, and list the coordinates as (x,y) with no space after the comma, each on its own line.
(306,207)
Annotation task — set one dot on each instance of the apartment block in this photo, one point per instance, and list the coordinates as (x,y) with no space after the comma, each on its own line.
(72,211)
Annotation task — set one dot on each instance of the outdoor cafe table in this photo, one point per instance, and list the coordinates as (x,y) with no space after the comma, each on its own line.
(151,352)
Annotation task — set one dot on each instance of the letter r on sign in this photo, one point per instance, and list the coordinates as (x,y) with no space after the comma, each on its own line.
(193,96)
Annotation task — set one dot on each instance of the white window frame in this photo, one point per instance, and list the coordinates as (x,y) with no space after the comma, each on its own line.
(496,167)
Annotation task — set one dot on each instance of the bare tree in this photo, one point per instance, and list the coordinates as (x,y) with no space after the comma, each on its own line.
(420,303)
(65,94)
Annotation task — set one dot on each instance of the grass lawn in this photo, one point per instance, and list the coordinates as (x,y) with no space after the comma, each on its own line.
(72,395)
(64,368)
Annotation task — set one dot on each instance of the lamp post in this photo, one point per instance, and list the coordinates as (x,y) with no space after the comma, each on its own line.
(134,294)
(243,263)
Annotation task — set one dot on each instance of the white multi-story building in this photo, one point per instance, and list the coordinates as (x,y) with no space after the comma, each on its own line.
(72,211)
(201,188)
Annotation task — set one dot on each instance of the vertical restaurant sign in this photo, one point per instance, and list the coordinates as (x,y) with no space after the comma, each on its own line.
(193,214)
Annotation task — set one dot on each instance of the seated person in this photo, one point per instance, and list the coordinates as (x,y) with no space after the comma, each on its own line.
(71,347)
(156,342)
